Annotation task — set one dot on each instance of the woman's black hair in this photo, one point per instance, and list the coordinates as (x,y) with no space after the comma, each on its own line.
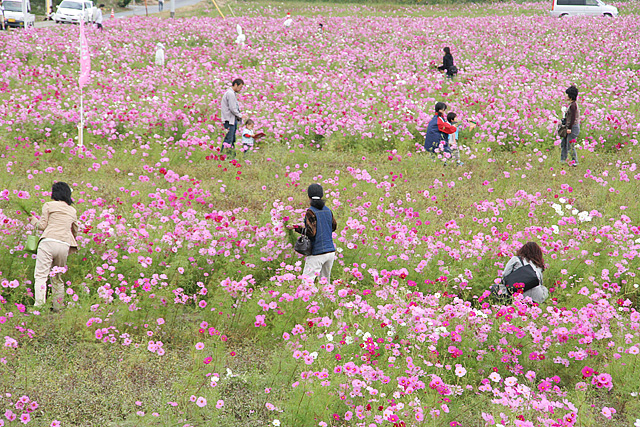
(572,92)
(315,193)
(451,116)
(61,192)
(440,106)
(447,51)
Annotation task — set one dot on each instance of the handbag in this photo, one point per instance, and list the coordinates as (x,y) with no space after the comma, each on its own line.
(32,244)
(562,128)
(453,70)
(522,279)
(303,245)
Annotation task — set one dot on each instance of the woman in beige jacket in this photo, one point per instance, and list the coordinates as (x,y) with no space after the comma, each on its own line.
(60,224)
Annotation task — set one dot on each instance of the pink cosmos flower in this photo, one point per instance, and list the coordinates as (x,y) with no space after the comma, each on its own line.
(587,372)
(202,402)
(219,404)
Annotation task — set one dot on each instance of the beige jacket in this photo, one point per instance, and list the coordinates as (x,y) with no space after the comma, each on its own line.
(59,221)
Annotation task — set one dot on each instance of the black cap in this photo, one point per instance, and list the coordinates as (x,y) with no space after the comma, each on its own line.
(315,191)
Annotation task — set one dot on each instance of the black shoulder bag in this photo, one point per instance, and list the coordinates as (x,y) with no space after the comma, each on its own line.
(522,279)
(303,244)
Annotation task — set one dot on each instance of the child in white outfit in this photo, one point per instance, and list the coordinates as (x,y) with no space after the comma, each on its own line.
(453,138)
(248,134)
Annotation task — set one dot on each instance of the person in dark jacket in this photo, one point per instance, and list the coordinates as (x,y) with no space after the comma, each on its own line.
(319,225)
(447,63)
(438,130)
(572,116)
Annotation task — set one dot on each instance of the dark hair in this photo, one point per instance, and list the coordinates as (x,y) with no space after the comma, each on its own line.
(447,51)
(451,116)
(249,122)
(315,190)
(440,106)
(572,92)
(237,82)
(61,192)
(532,252)
(101,6)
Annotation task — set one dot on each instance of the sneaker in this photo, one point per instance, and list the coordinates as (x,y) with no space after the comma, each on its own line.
(460,164)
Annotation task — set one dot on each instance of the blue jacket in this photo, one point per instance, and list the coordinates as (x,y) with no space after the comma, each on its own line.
(323,240)
(434,136)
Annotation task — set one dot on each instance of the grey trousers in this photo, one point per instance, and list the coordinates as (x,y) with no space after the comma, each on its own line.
(567,146)
(319,265)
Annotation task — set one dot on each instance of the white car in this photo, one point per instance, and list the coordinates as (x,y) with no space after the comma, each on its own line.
(72,11)
(563,8)
(13,14)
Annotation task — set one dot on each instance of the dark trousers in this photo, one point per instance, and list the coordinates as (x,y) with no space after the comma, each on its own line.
(568,145)
(160,6)
(230,137)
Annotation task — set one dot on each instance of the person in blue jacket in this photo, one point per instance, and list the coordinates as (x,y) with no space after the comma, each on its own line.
(319,225)
(438,130)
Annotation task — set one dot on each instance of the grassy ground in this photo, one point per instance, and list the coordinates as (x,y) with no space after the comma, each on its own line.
(86,383)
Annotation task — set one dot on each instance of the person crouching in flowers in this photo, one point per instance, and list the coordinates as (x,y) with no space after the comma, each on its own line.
(438,130)
(60,224)
(319,225)
(529,254)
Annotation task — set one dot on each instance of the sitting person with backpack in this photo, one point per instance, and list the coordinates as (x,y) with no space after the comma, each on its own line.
(523,274)
(447,64)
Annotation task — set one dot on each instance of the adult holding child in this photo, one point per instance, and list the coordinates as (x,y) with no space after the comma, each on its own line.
(319,225)
(523,273)
(231,116)
(438,130)
(572,122)
(59,223)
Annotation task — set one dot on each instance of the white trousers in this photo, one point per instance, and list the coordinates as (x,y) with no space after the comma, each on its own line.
(50,254)
(319,265)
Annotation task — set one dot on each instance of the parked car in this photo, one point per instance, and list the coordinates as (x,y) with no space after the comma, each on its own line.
(72,11)
(13,14)
(563,8)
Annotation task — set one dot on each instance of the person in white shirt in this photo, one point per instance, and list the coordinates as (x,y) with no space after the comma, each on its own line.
(97,16)
(2,19)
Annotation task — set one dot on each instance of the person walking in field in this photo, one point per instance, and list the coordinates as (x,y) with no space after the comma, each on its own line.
(319,225)
(97,16)
(231,116)
(160,5)
(572,116)
(60,224)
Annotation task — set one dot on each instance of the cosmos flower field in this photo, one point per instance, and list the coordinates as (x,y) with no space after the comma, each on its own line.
(184,305)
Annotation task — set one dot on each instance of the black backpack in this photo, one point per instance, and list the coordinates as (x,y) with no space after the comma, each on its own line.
(522,279)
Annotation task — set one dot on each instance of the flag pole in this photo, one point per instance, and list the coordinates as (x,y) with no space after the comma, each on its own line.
(229,6)
(216,4)
(81,126)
